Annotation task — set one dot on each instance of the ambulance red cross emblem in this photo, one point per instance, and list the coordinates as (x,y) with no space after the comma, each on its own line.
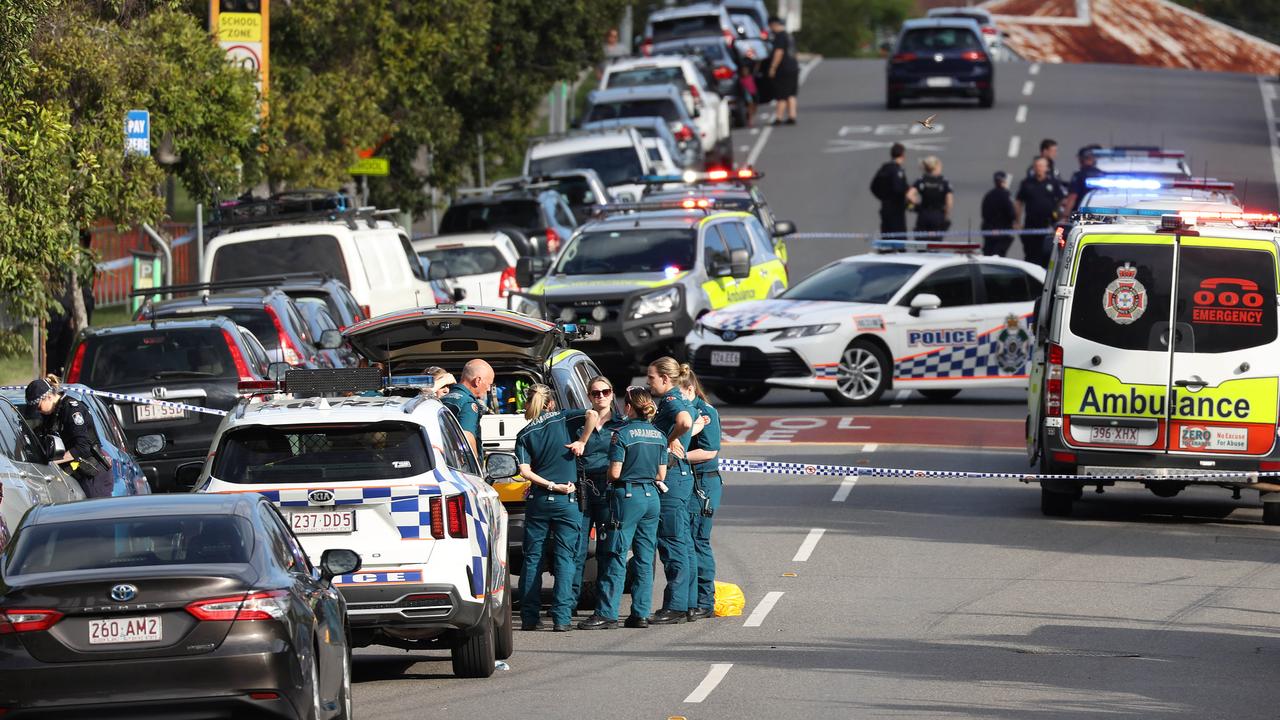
(1125,299)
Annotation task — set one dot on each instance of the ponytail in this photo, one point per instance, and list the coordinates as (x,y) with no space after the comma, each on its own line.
(537,400)
(54,381)
(689,381)
(642,402)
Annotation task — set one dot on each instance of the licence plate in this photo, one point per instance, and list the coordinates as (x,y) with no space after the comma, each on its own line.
(314,523)
(151,413)
(125,630)
(1106,435)
(938,82)
(726,358)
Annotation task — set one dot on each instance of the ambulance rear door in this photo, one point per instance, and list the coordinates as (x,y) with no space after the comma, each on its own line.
(1225,363)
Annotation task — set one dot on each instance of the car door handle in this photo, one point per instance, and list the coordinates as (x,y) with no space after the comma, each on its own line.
(1192,383)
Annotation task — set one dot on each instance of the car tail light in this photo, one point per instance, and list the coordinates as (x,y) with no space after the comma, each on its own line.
(264,696)
(365,313)
(507,283)
(903,57)
(1053,381)
(457,511)
(646,47)
(722,73)
(683,132)
(695,93)
(553,241)
(729,37)
(973,55)
(291,354)
(764,34)
(437,518)
(255,387)
(268,605)
(242,368)
(989,30)
(26,620)
(77,364)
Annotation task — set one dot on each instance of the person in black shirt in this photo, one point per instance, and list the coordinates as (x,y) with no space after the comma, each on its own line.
(1038,202)
(784,73)
(71,421)
(932,197)
(998,213)
(1048,151)
(1077,188)
(890,188)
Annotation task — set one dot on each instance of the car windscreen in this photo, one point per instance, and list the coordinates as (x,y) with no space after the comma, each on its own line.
(1122,294)
(932,40)
(261,454)
(658,107)
(472,217)
(647,76)
(1226,298)
(255,320)
(861,282)
(682,27)
(629,251)
(462,261)
(131,542)
(279,256)
(615,166)
(146,356)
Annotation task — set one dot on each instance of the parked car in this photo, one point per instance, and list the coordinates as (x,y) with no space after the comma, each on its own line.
(752,44)
(651,101)
(721,68)
(537,220)
(991,34)
(664,152)
(27,478)
(755,9)
(582,188)
(618,156)
(336,295)
(694,79)
(940,58)
(482,264)
(171,606)
(680,23)
(315,312)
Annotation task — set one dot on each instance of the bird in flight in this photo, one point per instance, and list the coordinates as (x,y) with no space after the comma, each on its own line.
(928,122)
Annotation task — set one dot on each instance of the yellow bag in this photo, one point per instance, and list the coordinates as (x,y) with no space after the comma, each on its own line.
(729,600)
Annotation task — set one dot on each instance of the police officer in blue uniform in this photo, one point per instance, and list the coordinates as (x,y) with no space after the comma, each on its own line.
(465,399)
(548,460)
(675,420)
(637,468)
(595,470)
(703,453)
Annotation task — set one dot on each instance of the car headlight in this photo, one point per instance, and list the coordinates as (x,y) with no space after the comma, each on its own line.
(803,331)
(656,303)
(697,328)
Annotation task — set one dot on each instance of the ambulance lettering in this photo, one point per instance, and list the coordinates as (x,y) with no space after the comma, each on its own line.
(1141,403)
(1239,303)
(940,338)
(1245,400)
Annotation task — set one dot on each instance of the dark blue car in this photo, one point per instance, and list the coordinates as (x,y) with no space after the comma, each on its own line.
(940,58)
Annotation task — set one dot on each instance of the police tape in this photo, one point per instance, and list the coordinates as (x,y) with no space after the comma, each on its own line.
(771,467)
(140,400)
(922,235)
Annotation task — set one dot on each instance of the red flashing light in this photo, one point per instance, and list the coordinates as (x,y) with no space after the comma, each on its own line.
(291,353)
(683,133)
(1204,184)
(507,283)
(437,518)
(695,203)
(237,358)
(77,364)
(722,73)
(718,174)
(1241,216)
(457,512)
(23,620)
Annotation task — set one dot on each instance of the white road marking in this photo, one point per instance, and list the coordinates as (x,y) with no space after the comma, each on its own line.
(846,487)
(1268,91)
(1034,69)
(756,619)
(804,71)
(709,683)
(1021,115)
(1028,87)
(810,542)
(768,129)
(1015,143)
(754,131)
(744,148)
(870,447)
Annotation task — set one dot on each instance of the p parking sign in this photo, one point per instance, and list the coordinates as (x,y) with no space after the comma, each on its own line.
(137,132)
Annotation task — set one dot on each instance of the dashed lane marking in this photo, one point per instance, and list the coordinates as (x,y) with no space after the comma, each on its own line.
(810,542)
(1028,87)
(1021,115)
(1034,69)
(870,447)
(756,619)
(846,487)
(709,683)
(1015,143)
(1268,91)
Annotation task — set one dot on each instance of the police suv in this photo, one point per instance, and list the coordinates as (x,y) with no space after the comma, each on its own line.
(1157,355)
(393,477)
(933,317)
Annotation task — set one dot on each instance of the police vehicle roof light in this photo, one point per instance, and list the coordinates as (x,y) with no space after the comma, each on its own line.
(924,246)
(1246,217)
(1123,183)
(696,203)
(1121,151)
(425,382)
(1204,184)
(258,387)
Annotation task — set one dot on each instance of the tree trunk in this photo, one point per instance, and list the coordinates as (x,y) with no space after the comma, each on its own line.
(79,314)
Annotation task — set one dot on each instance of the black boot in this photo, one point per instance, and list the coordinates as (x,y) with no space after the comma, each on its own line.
(668,617)
(597,622)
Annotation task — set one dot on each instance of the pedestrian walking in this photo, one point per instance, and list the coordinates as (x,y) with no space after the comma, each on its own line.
(998,213)
(932,197)
(595,473)
(637,468)
(1038,201)
(552,522)
(784,73)
(1078,187)
(889,186)
(1048,151)
(704,451)
(675,420)
(464,399)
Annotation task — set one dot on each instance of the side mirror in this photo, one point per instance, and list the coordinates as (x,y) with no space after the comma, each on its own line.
(438,271)
(924,301)
(500,466)
(783,228)
(459,294)
(739,264)
(337,562)
(528,270)
(277,370)
(149,444)
(330,339)
(59,447)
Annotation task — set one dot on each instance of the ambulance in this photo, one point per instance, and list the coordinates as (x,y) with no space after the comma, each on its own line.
(1157,359)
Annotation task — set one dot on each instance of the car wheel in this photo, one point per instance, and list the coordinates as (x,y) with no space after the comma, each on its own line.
(1270,513)
(1054,503)
(862,375)
(939,395)
(740,394)
(503,640)
(474,656)
(892,102)
(987,98)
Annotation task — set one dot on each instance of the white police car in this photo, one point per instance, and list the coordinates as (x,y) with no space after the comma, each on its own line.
(394,478)
(933,317)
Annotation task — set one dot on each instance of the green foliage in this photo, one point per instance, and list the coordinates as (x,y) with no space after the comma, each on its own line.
(847,28)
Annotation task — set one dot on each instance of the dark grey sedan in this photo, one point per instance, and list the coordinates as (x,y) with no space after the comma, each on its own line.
(170,606)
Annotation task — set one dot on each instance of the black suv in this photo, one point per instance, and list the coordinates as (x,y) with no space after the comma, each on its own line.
(196,361)
(538,221)
(940,58)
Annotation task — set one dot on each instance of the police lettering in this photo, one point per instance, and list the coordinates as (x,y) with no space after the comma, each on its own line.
(961,336)
(1149,404)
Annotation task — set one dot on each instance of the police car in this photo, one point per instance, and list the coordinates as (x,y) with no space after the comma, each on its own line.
(1142,160)
(933,317)
(1159,357)
(394,478)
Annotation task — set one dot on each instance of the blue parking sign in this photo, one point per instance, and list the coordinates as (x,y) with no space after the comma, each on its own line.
(137,132)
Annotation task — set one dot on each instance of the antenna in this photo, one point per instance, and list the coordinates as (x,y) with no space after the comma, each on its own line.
(1245,200)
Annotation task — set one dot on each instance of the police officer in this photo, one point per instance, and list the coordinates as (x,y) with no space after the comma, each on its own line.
(889,186)
(932,196)
(703,452)
(1078,186)
(595,470)
(637,469)
(70,420)
(675,420)
(548,460)
(1039,197)
(1049,152)
(465,400)
(998,213)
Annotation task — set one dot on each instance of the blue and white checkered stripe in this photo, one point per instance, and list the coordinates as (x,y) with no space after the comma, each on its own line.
(791,468)
(961,361)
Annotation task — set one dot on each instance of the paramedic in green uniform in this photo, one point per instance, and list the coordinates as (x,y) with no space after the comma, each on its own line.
(466,400)
(702,455)
(637,467)
(595,465)
(675,420)
(548,460)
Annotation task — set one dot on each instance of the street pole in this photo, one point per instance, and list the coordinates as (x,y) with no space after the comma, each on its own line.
(163,244)
(199,241)
(480,162)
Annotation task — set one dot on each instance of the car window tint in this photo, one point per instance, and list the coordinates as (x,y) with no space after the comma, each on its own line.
(300,562)
(1226,298)
(735,236)
(322,453)
(863,282)
(133,357)
(457,450)
(278,542)
(761,247)
(628,251)
(1107,306)
(17,442)
(646,76)
(932,40)
(682,27)
(130,542)
(464,261)
(716,251)
(298,324)
(664,108)
(256,351)
(1005,284)
(277,256)
(472,217)
(615,166)
(953,285)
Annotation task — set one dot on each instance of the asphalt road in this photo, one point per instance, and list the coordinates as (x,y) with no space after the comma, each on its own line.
(921,597)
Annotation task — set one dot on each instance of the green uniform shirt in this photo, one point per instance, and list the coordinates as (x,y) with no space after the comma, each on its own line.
(541,445)
(467,409)
(669,406)
(595,459)
(709,438)
(641,448)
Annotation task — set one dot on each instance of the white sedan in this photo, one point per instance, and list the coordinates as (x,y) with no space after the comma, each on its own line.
(483,264)
(937,322)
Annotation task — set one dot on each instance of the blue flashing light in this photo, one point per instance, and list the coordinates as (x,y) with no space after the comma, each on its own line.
(670,271)
(1128,212)
(1124,183)
(662,179)
(411,381)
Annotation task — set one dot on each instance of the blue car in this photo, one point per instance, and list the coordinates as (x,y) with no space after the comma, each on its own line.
(125,477)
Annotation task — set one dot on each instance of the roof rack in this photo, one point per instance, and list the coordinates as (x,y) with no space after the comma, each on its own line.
(255,281)
(888,246)
(296,206)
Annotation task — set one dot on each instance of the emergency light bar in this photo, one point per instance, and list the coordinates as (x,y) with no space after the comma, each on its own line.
(690,177)
(1247,217)
(1127,212)
(689,203)
(1123,151)
(924,246)
(1128,182)
(331,382)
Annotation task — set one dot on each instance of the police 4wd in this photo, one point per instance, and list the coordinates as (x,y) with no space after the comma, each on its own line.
(1157,357)
(394,478)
